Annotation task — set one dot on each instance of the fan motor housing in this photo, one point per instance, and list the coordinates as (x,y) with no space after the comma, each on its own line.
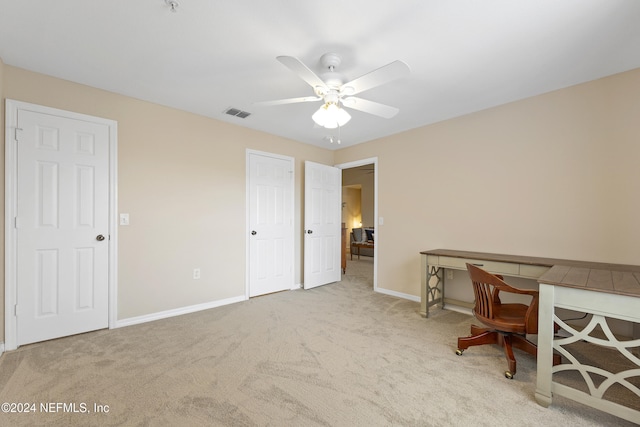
(331,78)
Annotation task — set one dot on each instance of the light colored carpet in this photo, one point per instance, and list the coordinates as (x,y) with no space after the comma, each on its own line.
(337,355)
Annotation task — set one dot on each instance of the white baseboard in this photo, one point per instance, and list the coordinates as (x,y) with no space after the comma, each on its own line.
(177,312)
(398,294)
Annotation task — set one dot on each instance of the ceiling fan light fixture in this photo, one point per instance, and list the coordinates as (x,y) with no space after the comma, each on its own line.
(321,90)
(347,90)
(330,116)
(342,117)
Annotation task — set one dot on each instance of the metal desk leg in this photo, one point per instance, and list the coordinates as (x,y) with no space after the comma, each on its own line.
(545,345)
(435,291)
(423,285)
(432,287)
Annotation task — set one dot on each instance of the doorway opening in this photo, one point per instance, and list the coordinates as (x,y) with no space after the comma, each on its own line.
(360,218)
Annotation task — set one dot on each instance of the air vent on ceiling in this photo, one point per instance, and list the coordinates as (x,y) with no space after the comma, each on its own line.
(238,113)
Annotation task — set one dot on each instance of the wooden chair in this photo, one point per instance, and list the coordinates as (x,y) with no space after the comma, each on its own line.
(506,324)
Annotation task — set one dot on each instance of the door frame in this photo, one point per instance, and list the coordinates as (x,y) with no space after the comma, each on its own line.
(10,208)
(374,162)
(247,273)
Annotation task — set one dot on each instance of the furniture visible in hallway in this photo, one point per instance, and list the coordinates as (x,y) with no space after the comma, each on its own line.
(343,251)
(362,241)
(360,245)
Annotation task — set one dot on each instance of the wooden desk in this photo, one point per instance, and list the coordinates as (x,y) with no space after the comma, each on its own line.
(604,293)
(343,251)
(359,245)
(435,261)
(600,289)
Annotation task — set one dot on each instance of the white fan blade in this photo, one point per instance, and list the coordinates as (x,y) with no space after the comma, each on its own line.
(289,101)
(370,107)
(385,74)
(295,65)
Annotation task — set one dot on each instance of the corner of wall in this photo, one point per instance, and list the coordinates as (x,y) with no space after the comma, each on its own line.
(2,104)
(2,127)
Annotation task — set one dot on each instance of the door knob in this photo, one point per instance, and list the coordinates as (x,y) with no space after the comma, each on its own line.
(309,231)
(99,237)
(254,232)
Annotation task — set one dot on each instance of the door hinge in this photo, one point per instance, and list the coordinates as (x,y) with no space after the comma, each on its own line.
(15,222)
(15,135)
(15,309)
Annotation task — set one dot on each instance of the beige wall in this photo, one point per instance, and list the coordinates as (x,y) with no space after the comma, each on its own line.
(554,175)
(181,177)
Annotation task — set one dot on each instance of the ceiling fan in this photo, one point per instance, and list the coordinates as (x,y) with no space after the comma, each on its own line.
(331,88)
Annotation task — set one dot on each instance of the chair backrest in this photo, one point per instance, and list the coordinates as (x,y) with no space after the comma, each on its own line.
(485,289)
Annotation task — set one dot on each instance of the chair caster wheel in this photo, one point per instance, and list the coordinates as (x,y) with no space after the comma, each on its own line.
(508,375)
(459,352)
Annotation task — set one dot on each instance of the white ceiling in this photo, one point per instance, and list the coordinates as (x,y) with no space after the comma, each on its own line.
(464,55)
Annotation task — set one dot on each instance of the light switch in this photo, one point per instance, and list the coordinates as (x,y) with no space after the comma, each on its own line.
(380,221)
(124,219)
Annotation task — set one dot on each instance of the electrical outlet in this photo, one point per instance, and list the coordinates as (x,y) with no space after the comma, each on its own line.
(196,273)
(449,274)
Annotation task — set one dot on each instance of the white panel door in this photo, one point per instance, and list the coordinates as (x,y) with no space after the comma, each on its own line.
(62,226)
(270,224)
(322,234)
